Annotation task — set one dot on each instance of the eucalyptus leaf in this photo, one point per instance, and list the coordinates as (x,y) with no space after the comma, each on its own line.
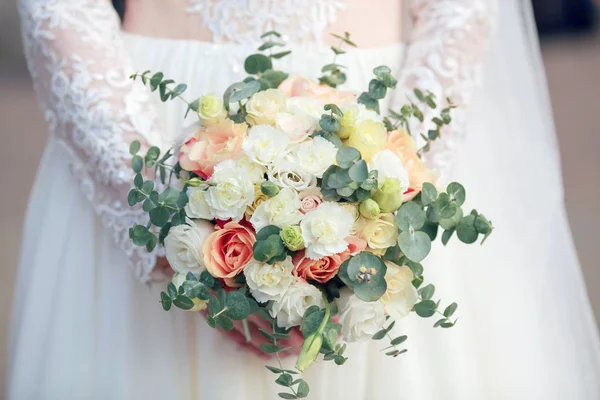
(427,292)
(428,194)
(449,311)
(415,245)
(137,163)
(159,216)
(134,147)
(346,156)
(446,236)
(257,63)
(359,171)
(237,305)
(410,216)
(456,191)
(425,308)
(165,301)
(466,231)
(183,302)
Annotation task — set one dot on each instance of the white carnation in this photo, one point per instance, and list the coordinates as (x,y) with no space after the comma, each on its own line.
(197,207)
(255,172)
(316,155)
(269,281)
(231,192)
(389,165)
(324,230)
(401,295)
(306,107)
(280,210)
(265,144)
(295,301)
(183,246)
(360,319)
(289,174)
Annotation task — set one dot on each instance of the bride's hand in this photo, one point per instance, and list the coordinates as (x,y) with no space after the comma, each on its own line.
(237,335)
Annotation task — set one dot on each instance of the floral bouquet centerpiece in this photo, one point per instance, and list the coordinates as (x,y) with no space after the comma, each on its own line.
(298,202)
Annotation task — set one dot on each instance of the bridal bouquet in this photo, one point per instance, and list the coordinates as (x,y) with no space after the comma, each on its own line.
(297,201)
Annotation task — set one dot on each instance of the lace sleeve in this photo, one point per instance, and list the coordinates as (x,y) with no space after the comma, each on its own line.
(81,70)
(446,48)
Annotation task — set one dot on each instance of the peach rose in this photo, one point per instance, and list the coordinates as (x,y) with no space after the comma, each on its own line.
(211,145)
(298,86)
(228,250)
(310,199)
(401,143)
(326,268)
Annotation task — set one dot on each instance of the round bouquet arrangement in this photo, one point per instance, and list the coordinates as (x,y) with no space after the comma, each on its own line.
(298,202)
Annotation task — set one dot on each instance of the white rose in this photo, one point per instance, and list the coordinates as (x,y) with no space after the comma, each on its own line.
(379,233)
(389,165)
(269,281)
(197,207)
(231,192)
(199,305)
(183,246)
(265,144)
(401,295)
(264,106)
(297,127)
(289,174)
(324,230)
(360,319)
(316,155)
(279,210)
(255,172)
(306,107)
(295,301)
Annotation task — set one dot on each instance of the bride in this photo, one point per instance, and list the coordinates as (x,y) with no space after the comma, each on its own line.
(86,319)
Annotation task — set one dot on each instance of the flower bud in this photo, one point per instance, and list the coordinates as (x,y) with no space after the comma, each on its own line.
(292,237)
(389,195)
(369,209)
(211,110)
(194,182)
(269,189)
(310,350)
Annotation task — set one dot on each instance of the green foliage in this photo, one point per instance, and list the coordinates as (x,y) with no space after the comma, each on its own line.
(332,73)
(364,273)
(269,246)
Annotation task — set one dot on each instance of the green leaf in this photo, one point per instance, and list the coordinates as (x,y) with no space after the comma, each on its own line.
(274,369)
(392,253)
(410,216)
(383,333)
(419,94)
(416,245)
(466,231)
(456,191)
(169,197)
(430,229)
(377,90)
(195,289)
(446,236)
(482,225)
(382,70)
(270,33)
(444,207)
(337,180)
(159,216)
(329,123)
(195,105)
(207,279)
(302,389)
(257,63)
(140,235)
(427,292)
(428,194)
(137,163)
(451,223)
(270,44)
(281,54)
(151,156)
(165,301)
(238,306)
(151,243)
(271,348)
(285,380)
(449,311)
(155,80)
(368,101)
(214,306)
(164,232)
(132,197)
(224,322)
(134,147)
(399,340)
(346,156)
(172,290)
(267,231)
(311,323)
(244,91)
(287,396)
(334,109)
(147,187)
(425,308)
(359,171)
(183,302)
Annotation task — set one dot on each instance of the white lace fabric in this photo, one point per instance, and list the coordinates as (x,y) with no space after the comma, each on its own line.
(446,48)
(80,70)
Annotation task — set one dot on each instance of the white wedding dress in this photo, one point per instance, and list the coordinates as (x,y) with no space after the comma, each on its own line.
(86,326)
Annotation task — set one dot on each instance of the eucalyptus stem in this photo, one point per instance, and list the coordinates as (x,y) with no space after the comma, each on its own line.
(246,330)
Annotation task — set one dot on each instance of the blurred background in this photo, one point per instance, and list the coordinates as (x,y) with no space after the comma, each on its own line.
(571,51)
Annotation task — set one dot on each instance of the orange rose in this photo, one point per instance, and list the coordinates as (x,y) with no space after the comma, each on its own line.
(228,250)
(326,268)
(298,86)
(211,145)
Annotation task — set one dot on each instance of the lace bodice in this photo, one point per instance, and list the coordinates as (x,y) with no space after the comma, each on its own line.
(80,69)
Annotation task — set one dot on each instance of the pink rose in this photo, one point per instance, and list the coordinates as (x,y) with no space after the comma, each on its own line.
(298,86)
(326,268)
(310,199)
(228,250)
(211,145)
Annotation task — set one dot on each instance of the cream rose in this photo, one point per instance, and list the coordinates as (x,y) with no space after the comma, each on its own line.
(183,246)
(360,319)
(295,301)
(369,137)
(263,107)
(231,192)
(401,295)
(324,230)
(289,174)
(297,126)
(380,232)
(279,210)
(265,144)
(316,155)
(310,199)
(211,110)
(269,281)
